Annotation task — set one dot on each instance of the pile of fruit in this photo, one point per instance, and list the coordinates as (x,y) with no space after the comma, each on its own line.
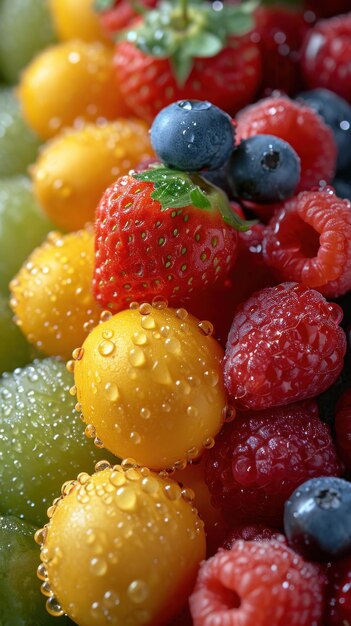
(175,282)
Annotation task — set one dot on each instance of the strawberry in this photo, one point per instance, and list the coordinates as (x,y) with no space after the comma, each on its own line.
(201,52)
(162,233)
(115,15)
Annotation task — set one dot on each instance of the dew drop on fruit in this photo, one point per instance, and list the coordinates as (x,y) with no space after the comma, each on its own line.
(161,374)
(90,431)
(208,443)
(40,536)
(182,314)
(173,345)
(126,499)
(192,411)
(73,391)
(112,391)
(77,354)
(135,437)
(106,347)
(105,316)
(42,573)
(98,443)
(107,334)
(102,465)
(145,413)
(137,357)
(206,327)
(111,599)
(148,322)
(145,308)
(172,491)
(139,339)
(138,591)
(159,302)
(46,589)
(98,566)
(150,485)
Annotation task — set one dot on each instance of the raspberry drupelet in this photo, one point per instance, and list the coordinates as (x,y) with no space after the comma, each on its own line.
(284,345)
(309,240)
(266,584)
(260,458)
(300,126)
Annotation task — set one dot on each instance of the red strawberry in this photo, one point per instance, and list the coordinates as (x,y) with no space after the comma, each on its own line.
(118,14)
(326,56)
(280,32)
(146,249)
(193,57)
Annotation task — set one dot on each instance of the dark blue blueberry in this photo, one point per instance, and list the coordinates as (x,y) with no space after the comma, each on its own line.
(342,188)
(317,518)
(192,135)
(220,178)
(264,169)
(336,113)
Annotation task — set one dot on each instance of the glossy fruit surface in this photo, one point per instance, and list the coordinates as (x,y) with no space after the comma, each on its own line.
(69,83)
(22,226)
(76,20)
(20,602)
(74,169)
(51,294)
(150,386)
(25,29)
(18,144)
(42,439)
(114,537)
(15,349)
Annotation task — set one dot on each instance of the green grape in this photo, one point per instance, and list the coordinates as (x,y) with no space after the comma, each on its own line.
(15,350)
(42,441)
(25,29)
(23,226)
(18,144)
(21,603)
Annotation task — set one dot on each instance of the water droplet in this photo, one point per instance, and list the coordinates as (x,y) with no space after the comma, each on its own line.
(111,599)
(106,347)
(161,374)
(53,607)
(40,536)
(148,322)
(208,443)
(105,316)
(192,453)
(206,327)
(138,591)
(102,465)
(172,491)
(192,411)
(90,431)
(98,566)
(137,357)
(145,308)
(70,366)
(112,391)
(145,413)
(188,494)
(117,478)
(150,484)
(159,302)
(182,314)
(98,443)
(211,377)
(42,572)
(46,589)
(139,339)
(126,499)
(73,391)
(107,333)
(133,474)
(135,437)
(173,345)
(77,354)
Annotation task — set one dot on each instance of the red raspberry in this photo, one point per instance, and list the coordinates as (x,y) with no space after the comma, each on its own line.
(339,593)
(343,428)
(280,32)
(252,532)
(326,56)
(261,584)
(326,8)
(309,240)
(259,459)
(284,345)
(300,126)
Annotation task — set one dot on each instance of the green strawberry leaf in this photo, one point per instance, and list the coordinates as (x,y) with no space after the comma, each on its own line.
(175,189)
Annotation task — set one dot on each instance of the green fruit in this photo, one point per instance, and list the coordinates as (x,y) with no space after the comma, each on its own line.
(15,350)
(23,226)
(18,144)
(42,441)
(21,603)
(25,29)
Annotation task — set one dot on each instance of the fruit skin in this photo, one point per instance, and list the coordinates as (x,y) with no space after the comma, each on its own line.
(192,135)
(51,294)
(261,457)
(309,240)
(342,188)
(20,602)
(69,83)
(144,250)
(22,38)
(18,144)
(74,169)
(317,518)
(20,218)
(148,85)
(261,583)
(284,345)
(42,439)
(264,169)
(343,427)
(160,395)
(76,20)
(326,56)
(301,127)
(336,113)
(120,15)
(15,350)
(113,521)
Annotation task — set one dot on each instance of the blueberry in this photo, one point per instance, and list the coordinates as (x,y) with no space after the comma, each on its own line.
(342,188)
(264,169)
(220,178)
(336,113)
(317,518)
(192,135)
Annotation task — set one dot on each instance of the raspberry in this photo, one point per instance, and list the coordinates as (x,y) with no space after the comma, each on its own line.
(309,240)
(284,345)
(265,584)
(338,611)
(326,56)
(343,428)
(300,126)
(252,532)
(259,459)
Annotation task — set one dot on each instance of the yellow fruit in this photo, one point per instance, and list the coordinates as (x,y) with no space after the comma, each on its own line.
(74,169)
(51,294)
(67,84)
(122,547)
(150,385)
(76,19)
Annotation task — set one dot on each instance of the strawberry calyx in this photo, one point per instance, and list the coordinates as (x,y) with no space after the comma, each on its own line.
(175,189)
(182,31)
